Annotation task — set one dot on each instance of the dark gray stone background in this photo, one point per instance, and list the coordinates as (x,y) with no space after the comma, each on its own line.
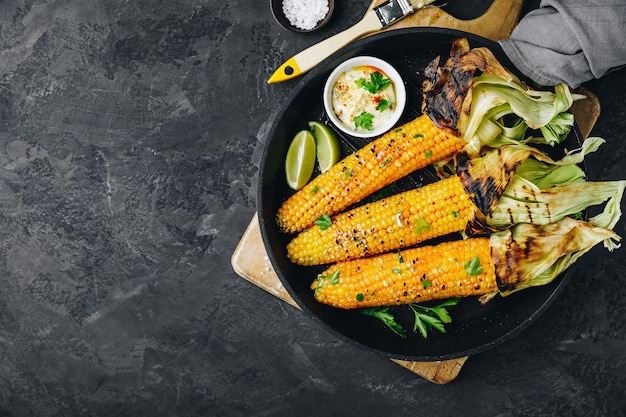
(130,136)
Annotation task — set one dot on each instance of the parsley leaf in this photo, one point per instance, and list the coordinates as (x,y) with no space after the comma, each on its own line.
(383,104)
(383,314)
(333,279)
(364,120)
(473,267)
(324,222)
(421,225)
(377,82)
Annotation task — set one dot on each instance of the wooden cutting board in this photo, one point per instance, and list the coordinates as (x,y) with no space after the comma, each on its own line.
(250,261)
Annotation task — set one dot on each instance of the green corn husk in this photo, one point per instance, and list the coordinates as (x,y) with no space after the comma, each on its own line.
(530,255)
(494,98)
(543,193)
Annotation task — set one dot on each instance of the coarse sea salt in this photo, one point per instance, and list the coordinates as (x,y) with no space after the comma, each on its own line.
(305,14)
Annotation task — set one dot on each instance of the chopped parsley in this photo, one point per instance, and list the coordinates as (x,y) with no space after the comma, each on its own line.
(360,297)
(383,104)
(426,283)
(473,267)
(428,153)
(396,270)
(333,279)
(324,222)
(421,225)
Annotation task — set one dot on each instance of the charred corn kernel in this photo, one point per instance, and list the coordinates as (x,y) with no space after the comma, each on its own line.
(399,152)
(392,223)
(459,268)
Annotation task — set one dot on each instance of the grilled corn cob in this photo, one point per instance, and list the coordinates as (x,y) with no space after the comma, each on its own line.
(412,146)
(475,202)
(411,276)
(523,256)
(392,223)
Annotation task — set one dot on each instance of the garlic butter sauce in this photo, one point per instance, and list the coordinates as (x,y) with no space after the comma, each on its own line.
(350,100)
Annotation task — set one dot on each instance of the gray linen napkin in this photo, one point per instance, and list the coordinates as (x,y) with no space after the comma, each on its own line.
(570,41)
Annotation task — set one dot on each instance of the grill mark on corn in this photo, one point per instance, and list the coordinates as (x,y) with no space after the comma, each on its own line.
(513,252)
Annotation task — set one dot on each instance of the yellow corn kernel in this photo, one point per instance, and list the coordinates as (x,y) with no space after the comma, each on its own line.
(452,269)
(392,223)
(394,155)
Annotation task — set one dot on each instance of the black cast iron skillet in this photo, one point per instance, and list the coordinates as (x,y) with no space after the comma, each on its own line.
(475,327)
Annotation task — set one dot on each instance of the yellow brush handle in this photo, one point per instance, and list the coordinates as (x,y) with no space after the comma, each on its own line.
(310,57)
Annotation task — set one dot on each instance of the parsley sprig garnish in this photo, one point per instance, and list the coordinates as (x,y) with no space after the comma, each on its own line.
(364,120)
(432,317)
(377,82)
(425,318)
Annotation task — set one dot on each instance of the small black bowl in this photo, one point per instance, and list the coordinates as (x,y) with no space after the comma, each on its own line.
(277,11)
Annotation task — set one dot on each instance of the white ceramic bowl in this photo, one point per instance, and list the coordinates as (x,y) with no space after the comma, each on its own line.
(386,69)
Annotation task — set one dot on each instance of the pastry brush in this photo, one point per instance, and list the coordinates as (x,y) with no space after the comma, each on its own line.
(375,19)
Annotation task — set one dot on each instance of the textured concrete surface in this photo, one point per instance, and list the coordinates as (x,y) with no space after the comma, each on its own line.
(130,135)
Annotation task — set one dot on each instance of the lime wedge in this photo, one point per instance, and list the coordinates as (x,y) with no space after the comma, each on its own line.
(300,160)
(328,148)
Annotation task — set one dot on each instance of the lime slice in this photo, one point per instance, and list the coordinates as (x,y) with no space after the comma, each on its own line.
(300,160)
(328,148)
